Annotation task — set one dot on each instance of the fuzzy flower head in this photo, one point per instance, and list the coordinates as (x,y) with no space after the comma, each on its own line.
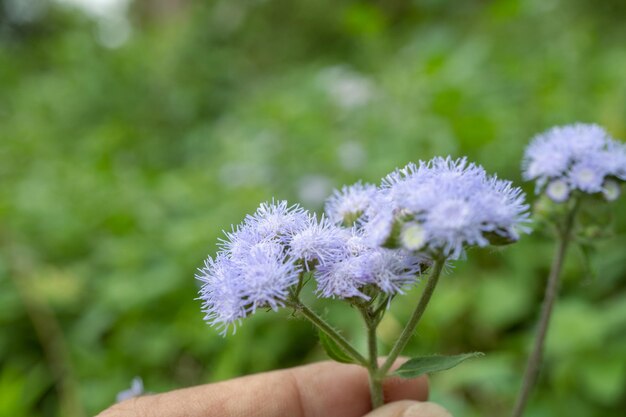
(272,220)
(445,205)
(361,265)
(579,157)
(254,268)
(348,205)
(316,243)
(223,302)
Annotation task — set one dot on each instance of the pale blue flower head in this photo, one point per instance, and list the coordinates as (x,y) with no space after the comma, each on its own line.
(378,221)
(316,243)
(391,270)
(136,389)
(579,157)
(445,205)
(347,205)
(221,293)
(362,265)
(274,220)
(254,268)
(266,273)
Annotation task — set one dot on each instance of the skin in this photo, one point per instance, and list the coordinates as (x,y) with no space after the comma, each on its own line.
(324,389)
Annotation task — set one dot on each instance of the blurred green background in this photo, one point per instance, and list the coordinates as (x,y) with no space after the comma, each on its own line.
(132,133)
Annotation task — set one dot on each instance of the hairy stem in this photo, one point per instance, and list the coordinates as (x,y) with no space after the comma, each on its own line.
(552,288)
(375,379)
(408,330)
(323,326)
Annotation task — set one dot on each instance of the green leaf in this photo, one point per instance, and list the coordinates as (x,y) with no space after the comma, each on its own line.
(419,365)
(333,350)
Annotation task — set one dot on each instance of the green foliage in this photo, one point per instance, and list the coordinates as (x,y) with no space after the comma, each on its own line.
(120,167)
(333,350)
(421,365)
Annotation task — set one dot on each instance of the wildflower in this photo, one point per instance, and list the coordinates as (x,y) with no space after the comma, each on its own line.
(265,276)
(346,206)
(361,264)
(579,157)
(378,220)
(315,243)
(223,303)
(391,270)
(253,269)
(445,205)
(272,220)
(136,389)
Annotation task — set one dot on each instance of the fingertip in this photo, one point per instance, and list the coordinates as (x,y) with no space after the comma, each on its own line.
(410,409)
(426,409)
(397,389)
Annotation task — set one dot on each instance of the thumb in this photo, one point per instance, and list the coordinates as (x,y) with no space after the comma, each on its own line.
(409,409)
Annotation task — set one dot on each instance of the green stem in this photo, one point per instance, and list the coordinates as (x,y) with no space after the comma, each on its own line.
(323,326)
(552,288)
(375,379)
(408,330)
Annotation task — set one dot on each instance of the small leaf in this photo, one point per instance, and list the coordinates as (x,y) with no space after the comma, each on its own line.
(333,350)
(419,365)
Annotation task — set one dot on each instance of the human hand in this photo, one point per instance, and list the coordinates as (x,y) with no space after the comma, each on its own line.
(325,389)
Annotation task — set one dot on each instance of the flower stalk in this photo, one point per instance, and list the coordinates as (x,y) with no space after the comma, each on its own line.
(409,329)
(375,379)
(323,326)
(533,365)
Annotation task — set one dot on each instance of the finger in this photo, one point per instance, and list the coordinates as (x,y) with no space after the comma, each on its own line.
(410,409)
(325,389)
(396,388)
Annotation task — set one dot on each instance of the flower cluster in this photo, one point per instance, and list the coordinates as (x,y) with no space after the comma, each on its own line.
(442,206)
(579,157)
(371,241)
(361,265)
(252,270)
(262,261)
(346,206)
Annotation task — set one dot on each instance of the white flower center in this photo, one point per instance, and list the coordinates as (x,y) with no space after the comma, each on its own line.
(413,236)
(558,191)
(611,190)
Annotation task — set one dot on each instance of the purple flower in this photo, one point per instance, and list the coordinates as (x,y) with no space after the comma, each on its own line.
(360,265)
(135,390)
(315,243)
(223,302)
(253,269)
(445,205)
(266,274)
(391,270)
(349,204)
(575,157)
(273,220)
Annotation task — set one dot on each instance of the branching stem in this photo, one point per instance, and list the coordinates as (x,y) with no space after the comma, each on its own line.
(323,326)
(408,330)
